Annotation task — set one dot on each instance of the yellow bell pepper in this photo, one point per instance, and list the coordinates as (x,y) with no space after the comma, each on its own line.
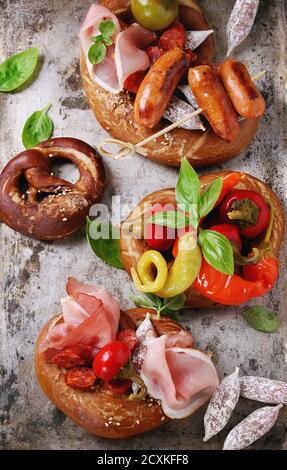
(144,280)
(185,268)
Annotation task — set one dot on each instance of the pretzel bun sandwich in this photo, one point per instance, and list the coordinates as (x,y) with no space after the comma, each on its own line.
(215,239)
(117,374)
(143,70)
(35,202)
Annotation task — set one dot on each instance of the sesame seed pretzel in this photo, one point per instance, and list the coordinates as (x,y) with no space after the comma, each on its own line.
(38,204)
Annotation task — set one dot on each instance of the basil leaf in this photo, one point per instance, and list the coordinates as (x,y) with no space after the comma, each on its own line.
(97,52)
(107,27)
(261,319)
(172,219)
(175,303)
(188,186)
(217,251)
(155,299)
(97,39)
(107,40)
(144,302)
(38,127)
(210,197)
(108,248)
(17,69)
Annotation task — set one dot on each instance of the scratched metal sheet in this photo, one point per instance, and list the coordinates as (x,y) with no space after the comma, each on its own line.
(33,273)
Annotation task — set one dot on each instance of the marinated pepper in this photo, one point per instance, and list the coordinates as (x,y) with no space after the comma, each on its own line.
(248,209)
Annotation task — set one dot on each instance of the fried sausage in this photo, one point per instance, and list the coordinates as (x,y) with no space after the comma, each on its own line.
(158,86)
(245,97)
(212,98)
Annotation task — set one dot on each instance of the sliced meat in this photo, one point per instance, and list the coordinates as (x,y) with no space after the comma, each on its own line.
(88,297)
(105,73)
(182,378)
(90,318)
(129,54)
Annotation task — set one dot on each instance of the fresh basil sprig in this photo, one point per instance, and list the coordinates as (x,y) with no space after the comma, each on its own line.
(166,306)
(17,69)
(38,127)
(98,50)
(261,319)
(172,219)
(215,247)
(208,199)
(108,248)
(217,251)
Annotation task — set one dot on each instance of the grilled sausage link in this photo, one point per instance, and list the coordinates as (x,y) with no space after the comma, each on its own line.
(158,86)
(215,103)
(245,97)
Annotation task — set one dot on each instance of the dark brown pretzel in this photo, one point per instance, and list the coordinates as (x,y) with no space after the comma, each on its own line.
(64,207)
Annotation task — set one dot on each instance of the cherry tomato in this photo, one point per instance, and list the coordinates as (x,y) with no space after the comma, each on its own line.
(155,15)
(128,337)
(118,386)
(158,237)
(110,359)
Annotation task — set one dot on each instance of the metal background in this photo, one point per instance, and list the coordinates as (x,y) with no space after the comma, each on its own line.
(33,273)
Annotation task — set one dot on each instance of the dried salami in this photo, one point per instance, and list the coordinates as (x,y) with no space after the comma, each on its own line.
(221,405)
(252,428)
(195,38)
(177,109)
(186,91)
(81,378)
(264,390)
(128,337)
(240,22)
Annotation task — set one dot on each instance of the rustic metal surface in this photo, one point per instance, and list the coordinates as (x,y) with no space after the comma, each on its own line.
(33,273)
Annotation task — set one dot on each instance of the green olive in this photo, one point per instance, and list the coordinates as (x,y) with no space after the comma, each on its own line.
(155,14)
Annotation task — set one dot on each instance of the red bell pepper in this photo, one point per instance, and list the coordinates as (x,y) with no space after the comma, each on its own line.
(257,280)
(248,209)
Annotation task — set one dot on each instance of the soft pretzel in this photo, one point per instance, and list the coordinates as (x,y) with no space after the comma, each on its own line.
(115,112)
(93,410)
(132,247)
(50,208)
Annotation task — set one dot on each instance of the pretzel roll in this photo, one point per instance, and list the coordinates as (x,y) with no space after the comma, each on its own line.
(115,112)
(132,247)
(40,205)
(92,409)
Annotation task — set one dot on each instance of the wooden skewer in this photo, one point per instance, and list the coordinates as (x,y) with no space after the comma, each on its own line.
(129,149)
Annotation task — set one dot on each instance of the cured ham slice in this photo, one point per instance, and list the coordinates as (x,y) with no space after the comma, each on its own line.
(89,296)
(90,317)
(182,378)
(105,73)
(129,56)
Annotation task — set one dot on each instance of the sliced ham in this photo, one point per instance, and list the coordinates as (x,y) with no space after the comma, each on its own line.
(123,58)
(182,378)
(88,296)
(105,73)
(90,317)
(129,54)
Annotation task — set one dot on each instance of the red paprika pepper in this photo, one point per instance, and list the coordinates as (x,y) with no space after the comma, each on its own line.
(257,280)
(229,182)
(248,209)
